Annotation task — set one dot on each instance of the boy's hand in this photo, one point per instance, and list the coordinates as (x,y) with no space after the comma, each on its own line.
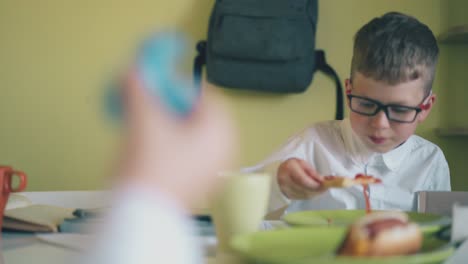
(298,180)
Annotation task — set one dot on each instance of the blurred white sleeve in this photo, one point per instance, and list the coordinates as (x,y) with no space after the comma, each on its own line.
(146,227)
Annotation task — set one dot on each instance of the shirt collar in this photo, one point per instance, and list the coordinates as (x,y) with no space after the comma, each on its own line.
(361,155)
(395,157)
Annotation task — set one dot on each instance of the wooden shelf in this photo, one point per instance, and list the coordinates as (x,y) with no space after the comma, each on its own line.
(455,35)
(452,131)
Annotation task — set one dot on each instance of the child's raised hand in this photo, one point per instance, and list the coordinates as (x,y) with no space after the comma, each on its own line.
(298,180)
(174,155)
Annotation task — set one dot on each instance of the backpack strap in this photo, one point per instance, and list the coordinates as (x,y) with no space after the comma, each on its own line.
(198,63)
(322,65)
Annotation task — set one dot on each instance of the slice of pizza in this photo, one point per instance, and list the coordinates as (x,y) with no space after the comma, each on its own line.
(344,182)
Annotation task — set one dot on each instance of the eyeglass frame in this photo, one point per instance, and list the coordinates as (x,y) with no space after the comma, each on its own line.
(384,107)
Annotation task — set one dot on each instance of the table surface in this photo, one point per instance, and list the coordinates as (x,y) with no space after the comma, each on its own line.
(29,248)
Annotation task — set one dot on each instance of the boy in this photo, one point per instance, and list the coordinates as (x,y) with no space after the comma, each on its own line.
(389,94)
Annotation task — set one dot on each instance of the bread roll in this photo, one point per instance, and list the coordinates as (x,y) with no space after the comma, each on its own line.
(382,234)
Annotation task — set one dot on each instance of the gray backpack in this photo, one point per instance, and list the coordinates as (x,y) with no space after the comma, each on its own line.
(264,45)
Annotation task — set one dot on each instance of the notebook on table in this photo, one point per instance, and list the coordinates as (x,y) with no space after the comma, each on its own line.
(36,218)
(23,215)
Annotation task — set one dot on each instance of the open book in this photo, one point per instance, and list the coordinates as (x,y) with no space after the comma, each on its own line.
(36,218)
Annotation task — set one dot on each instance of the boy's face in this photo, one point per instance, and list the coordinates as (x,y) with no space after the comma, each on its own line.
(378,132)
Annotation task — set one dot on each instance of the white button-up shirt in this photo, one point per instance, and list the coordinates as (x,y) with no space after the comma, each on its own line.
(332,148)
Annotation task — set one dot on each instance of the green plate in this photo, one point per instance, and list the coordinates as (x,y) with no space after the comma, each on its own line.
(305,245)
(428,222)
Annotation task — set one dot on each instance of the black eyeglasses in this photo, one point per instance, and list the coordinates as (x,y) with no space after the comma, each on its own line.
(394,112)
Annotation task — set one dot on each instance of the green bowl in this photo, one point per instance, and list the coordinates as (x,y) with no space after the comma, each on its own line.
(306,245)
(428,222)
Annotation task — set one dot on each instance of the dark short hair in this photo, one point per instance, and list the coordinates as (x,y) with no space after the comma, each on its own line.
(395,48)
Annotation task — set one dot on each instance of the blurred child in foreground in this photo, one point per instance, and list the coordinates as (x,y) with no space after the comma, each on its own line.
(169,163)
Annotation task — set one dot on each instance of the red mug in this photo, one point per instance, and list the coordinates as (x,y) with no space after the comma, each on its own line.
(6,178)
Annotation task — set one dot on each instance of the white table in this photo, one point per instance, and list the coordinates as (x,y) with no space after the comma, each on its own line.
(27,248)
(19,248)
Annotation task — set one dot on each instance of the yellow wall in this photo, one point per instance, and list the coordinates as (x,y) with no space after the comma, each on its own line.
(454,69)
(55,58)
(57,55)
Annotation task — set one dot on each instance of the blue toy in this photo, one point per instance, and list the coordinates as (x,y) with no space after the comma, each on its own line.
(156,64)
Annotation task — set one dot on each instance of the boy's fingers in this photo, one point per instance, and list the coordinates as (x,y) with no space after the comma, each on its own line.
(311,172)
(301,178)
(314,175)
(140,106)
(133,97)
(132,89)
(293,191)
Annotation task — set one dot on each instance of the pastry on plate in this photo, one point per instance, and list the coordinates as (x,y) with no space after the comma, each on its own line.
(382,234)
